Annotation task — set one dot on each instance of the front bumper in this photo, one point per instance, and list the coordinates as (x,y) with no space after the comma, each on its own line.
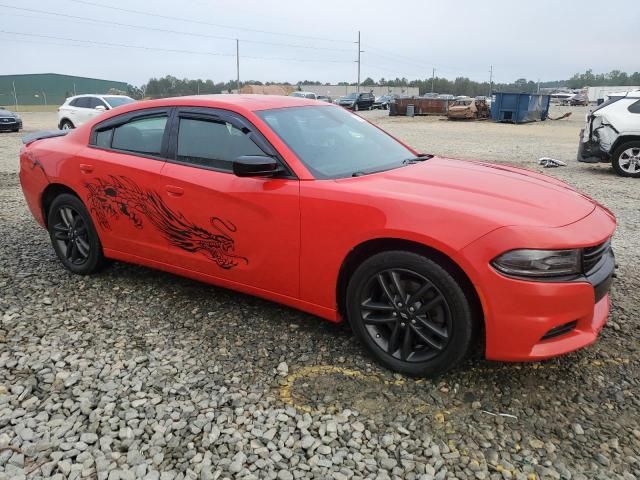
(10,125)
(523,318)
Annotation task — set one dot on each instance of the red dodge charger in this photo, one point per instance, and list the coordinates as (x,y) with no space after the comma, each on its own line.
(304,203)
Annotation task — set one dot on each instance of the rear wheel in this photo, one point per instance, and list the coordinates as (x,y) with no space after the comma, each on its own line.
(66,125)
(410,313)
(73,236)
(626,159)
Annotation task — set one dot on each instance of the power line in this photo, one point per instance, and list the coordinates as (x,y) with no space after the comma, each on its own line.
(170,50)
(165,30)
(201,22)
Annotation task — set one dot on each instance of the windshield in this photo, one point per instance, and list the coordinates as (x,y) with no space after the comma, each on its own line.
(352,95)
(334,143)
(458,103)
(117,101)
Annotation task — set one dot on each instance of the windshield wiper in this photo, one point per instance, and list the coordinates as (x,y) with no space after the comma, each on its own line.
(419,158)
(406,161)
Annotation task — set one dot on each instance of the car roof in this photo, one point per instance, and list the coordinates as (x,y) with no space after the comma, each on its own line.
(243,102)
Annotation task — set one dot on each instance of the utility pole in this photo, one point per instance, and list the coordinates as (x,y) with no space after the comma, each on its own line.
(238,65)
(490,80)
(359,52)
(45,97)
(433,79)
(15,97)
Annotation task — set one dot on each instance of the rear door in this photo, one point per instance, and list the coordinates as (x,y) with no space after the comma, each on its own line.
(240,229)
(82,111)
(118,179)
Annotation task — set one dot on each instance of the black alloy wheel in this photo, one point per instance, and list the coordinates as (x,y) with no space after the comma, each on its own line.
(406,315)
(73,235)
(410,313)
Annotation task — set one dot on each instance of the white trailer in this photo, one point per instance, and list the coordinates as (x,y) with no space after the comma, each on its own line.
(595,93)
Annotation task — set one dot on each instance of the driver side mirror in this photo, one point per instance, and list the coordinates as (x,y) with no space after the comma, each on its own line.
(100,108)
(256,166)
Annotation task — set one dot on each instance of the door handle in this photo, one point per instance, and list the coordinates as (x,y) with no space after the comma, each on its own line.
(85,168)
(174,191)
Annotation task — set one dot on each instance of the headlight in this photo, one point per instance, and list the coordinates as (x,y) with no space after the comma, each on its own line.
(539,263)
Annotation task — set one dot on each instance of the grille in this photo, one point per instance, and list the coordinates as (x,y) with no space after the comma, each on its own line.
(591,256)
(7,120)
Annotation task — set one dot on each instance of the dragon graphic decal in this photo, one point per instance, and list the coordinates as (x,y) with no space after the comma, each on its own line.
(120,196)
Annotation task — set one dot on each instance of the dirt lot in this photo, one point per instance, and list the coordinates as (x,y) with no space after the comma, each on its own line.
(134,373)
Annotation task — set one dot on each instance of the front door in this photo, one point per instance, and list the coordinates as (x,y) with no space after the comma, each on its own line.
(243,230)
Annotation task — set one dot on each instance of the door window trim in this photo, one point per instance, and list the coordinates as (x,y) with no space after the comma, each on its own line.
(119,120)
(221,115)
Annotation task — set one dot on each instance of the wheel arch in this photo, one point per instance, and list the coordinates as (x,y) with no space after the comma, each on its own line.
(65,119)
(372,247)
(49,194)
(621,140)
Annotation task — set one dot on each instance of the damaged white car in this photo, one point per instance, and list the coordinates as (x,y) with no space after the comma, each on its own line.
(612,134)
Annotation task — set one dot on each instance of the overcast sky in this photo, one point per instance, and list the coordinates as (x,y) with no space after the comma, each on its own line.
(540,39)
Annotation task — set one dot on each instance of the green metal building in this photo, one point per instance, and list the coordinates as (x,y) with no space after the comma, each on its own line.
(50,88)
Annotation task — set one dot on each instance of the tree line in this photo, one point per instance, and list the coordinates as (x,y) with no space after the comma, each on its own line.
(170,86)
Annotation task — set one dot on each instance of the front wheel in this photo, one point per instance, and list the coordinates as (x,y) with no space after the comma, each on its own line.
(73,236)
(409,313)
(356,107)
(66,125)
(626,160)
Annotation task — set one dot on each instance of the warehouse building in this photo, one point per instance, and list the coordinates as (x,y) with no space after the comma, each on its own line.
(50,89)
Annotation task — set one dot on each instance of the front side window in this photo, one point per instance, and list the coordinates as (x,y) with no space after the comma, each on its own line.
(95,101)
(212,144)
(142,135)
(334,143)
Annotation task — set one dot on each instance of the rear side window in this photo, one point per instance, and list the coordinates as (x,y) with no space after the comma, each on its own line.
(143,135)
(635,107)
(82,102)
(212,144)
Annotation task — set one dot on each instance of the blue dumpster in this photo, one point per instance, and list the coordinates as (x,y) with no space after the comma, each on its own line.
(519,107)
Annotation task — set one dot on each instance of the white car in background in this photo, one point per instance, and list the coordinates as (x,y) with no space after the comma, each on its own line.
(81,108)
(309,95)
(612,134)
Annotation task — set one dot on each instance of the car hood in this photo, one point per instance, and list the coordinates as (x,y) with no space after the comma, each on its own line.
(6,113)
(500,194)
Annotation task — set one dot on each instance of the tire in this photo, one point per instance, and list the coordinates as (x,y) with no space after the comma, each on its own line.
(440,329)
(73,235)
(626,159)
(66,125)
(356,108)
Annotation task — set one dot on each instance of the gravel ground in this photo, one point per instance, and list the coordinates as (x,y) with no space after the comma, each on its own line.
(134,373)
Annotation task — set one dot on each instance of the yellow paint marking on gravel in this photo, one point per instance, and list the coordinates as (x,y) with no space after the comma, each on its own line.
(286,394)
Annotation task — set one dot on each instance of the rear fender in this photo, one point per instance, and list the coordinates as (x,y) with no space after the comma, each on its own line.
(34,181)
